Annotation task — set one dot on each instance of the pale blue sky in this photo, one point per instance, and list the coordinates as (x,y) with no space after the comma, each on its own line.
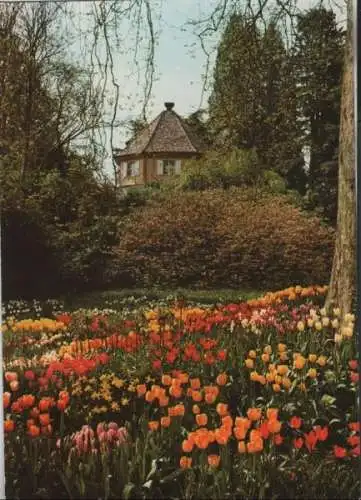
(179,65)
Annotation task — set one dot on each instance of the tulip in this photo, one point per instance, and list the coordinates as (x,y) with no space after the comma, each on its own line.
(214,460)
(185,462)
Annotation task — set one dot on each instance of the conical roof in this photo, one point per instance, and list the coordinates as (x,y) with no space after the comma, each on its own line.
(167,133)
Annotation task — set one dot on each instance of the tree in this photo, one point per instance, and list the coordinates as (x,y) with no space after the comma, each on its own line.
(343,279)
(234,105)
(199,123)
(318,54)
(46,102)
(253,103)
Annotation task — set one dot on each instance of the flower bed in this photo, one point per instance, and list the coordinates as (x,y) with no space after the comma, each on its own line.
(249,400)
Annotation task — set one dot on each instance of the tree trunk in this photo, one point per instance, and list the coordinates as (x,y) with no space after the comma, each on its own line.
(342,285)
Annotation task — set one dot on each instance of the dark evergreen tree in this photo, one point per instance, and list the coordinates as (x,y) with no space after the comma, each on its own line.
(254,101)
(318,55)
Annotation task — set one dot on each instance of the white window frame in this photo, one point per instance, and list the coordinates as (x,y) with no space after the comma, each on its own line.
(132,168)
(169,167)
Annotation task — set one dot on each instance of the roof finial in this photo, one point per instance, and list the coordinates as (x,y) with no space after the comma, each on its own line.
(169,105)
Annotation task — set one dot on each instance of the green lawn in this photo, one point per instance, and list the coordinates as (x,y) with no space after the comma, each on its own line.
(114,298)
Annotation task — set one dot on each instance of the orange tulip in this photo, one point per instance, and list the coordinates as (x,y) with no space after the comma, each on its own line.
(9,425)
(44,419)
(210,398)
(277,439)
(274,426)
(249,363)
(185,462)
(27,400)
(212,389)
(283,356)
(153,425)
(45,404)
(276,387)
(222,435)
(149,396)
(197,396)
(202,419)
(222,409)
(214,460)
(272,413)
(34,431)
(163,401)
(141,389)
(176,392)
(295,422)
(61,404)
(227,421)
(201,439)
(165,421)
(299,362)
(255,434)
(286,382)
(179,410)
(184,378)
(222,379)
(187,446)
(282,369)
(254,414)
(211,436)
(242,447)
(242,422)
(195,383)
(255,446)
(265,357)
(156,391)
(166,380)
(239,432)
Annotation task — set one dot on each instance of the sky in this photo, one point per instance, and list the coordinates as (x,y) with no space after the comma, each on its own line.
(179,59)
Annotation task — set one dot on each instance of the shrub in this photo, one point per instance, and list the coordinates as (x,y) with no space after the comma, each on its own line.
(235,238)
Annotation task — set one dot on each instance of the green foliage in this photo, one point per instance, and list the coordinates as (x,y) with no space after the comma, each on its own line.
(217,169)
(236,238)
(67,225)
(318,62)
(257,108)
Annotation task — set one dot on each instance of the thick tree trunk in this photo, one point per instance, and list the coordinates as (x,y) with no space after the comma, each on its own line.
(342,285)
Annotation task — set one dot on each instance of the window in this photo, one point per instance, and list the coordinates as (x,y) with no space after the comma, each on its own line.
(132,168)
(168,167)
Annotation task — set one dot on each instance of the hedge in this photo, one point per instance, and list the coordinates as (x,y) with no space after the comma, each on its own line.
(237,238)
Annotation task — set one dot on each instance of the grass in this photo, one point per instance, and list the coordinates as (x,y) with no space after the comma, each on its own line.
(112,298)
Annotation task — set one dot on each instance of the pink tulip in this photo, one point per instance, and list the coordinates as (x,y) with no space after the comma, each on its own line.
(100,429)
(122,434)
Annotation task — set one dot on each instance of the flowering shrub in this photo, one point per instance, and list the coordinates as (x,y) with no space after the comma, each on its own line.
(248,399)
(222,251)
